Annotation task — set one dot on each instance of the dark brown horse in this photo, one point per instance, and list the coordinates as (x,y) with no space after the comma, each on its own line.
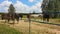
(17,17)
(5,17)
(20,16)
(46,17)
(13,17)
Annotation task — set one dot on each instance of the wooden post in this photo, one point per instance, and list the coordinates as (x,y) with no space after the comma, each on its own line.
(29,23)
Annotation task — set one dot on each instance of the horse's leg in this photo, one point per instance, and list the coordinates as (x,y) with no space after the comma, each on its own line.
(47,19)
(8,20)
(43,19)
(17,20)
(21,18)
(2,18)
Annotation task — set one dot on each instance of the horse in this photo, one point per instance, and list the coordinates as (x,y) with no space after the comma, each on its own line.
(46,17)
(20,16)
(5,17)
(40,16)
(8,17)
(17,17)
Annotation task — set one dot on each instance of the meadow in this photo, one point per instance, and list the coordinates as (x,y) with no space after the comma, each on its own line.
(36,27)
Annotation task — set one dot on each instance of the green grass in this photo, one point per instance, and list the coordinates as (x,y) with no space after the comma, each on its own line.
(24,16)
(4,29)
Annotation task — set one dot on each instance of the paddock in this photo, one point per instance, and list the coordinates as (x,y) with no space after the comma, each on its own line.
(36,26)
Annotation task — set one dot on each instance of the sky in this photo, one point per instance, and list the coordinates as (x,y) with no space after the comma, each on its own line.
(21,6)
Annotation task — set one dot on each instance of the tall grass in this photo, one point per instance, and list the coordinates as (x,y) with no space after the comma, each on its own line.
(4,29)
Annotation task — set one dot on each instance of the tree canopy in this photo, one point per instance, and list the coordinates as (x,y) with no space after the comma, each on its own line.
(52,5)
(11,9)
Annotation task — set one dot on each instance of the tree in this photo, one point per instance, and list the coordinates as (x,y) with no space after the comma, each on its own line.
(11,9)
(51,6)
(33,12)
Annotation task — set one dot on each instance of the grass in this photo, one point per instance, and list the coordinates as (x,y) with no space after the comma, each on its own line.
(45,28)
(36,28)
(51,20)
(4,29)
(55,20)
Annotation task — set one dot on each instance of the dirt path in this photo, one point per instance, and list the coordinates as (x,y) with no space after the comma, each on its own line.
(36,28)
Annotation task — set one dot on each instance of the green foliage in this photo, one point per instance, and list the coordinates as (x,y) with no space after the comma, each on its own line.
(52,6)
(11,9)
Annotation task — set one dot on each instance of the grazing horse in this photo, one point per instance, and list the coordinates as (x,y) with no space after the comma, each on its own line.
(17,17)
(46,17)
(20,15)
(40,16)
(8,17)
(12,18)
(2,16)
(5,17)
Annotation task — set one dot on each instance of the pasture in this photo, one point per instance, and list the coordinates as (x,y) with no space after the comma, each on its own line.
(35,27)
(5,29)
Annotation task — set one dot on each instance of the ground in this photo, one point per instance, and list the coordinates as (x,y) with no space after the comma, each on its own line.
(36,28)
(5,29)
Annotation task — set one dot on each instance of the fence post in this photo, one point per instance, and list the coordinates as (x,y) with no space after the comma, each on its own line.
(29,23)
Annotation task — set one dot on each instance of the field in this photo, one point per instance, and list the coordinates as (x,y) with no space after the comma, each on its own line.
(5,29)
(53,27)
(35,27)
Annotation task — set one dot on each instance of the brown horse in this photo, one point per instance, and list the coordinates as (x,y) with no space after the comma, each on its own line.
(46,17)
(5,17)
(8,17)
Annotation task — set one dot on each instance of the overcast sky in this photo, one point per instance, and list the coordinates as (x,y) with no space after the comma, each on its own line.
(21,6)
